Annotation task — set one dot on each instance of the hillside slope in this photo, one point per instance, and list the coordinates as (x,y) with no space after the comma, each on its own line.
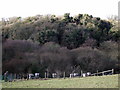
(86,82)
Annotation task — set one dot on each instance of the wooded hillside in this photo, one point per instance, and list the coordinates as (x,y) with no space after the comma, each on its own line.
(59,44)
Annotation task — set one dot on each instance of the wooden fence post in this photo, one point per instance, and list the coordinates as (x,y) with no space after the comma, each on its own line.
(64,75)
(103,73)
(97,72)
(81,73)
(27,76)
(15,76)
(45,75)
(112,71)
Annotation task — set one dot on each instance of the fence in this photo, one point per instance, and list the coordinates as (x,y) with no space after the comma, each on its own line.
(11,77)
(108,72)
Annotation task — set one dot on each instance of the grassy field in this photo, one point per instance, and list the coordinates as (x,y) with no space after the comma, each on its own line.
(86,82)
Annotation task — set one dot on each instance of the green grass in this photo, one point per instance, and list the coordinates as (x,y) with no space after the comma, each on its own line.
(110,81)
